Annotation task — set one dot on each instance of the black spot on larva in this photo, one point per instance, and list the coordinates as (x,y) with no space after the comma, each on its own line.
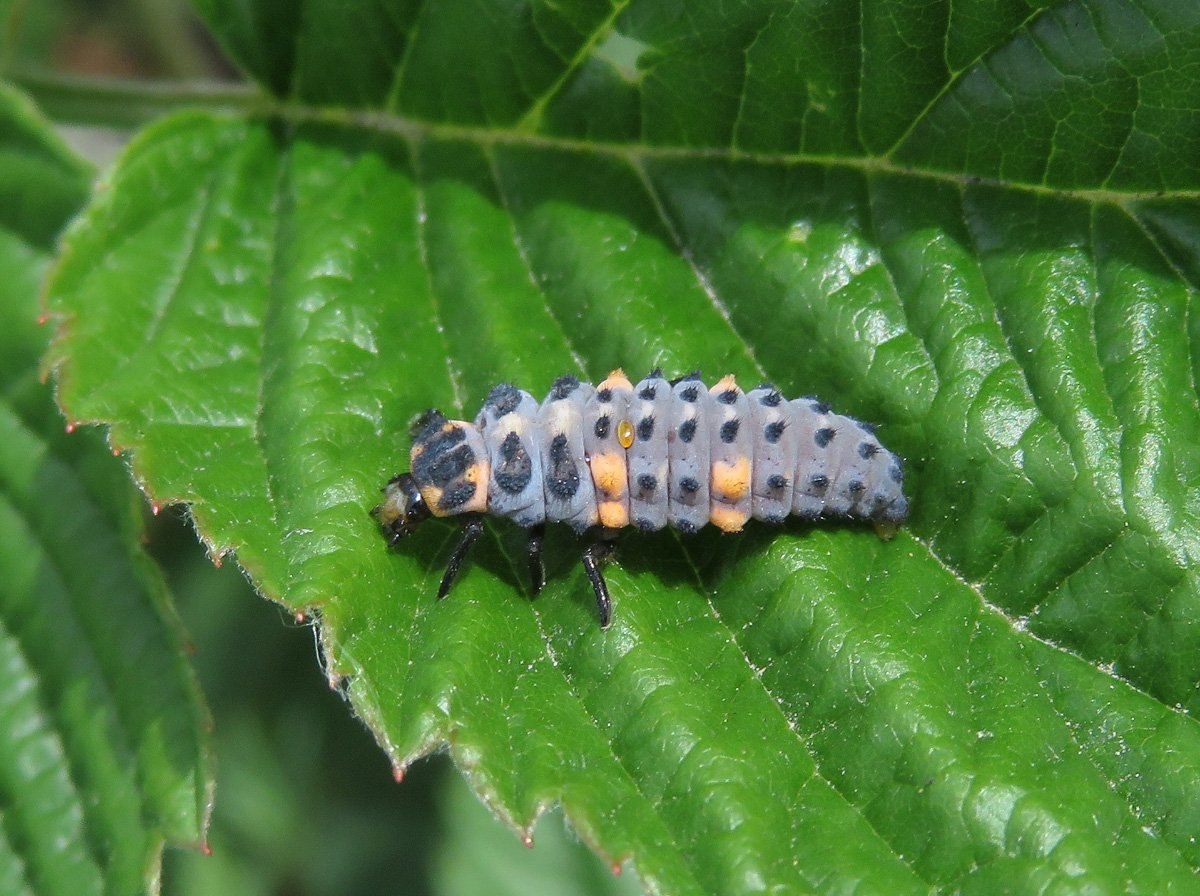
(773,432)
(819,407)
(686,527)
(444,457)
(437,438)
(818,481)
(426,424)
(647,482)
(645,429)
(643,524)
(456,496)
(773,398)
(429,425)
(602,425)
(605,394)
(648,393)
(729,431)
(563,387)
(856,486)
(824,436)
(896,473)
(445,468)
(868,428)
(867,450)
(655,374)
(503,399)
(729,396)
(687,430)
(690,394)
(511,447)
(777,480)
(689,485)
(515,468)
(562,479)
(694,375)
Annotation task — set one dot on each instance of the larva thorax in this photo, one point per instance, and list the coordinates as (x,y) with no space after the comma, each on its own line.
(649,455)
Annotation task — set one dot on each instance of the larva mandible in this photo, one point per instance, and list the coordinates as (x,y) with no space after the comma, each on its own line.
(655,454)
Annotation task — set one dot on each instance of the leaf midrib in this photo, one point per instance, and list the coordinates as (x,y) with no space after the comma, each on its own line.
(132,103)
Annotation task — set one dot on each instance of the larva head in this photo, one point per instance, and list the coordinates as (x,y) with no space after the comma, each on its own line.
(403,508)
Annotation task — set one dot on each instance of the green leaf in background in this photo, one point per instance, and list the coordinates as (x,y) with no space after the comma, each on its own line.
(975,224)
(305,801)
(102,730)
(479,856)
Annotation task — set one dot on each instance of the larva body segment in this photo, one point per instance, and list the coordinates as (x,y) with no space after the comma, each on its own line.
(731,457)
(647,458)
(649,455)
(775,454)
(688,454)
(509,425)
(568,488)
(607,434)
(450,461)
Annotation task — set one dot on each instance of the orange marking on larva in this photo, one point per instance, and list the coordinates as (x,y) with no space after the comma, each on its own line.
(724,384)
(616,380)
(726,518)
(432,496)
(477,473)
(731,482)
(614,514)
(625,433)
(610,475)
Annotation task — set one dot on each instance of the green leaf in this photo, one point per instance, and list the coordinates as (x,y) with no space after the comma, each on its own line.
(101,746)
(949,220)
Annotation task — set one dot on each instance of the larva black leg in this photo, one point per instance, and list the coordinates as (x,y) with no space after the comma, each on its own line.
(537,571)
(472,529)
(593,555)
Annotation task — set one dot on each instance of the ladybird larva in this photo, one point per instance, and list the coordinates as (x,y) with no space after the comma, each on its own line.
(649,455)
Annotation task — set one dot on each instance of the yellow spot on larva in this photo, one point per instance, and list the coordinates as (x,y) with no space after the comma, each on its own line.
(724,384)
(616,380)
(625,433)
(614,514)
(726,518)
(610,475)
(477,475)
(731,482)
(432,495)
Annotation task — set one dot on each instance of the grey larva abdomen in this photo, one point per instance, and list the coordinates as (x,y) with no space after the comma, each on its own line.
(662,453)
